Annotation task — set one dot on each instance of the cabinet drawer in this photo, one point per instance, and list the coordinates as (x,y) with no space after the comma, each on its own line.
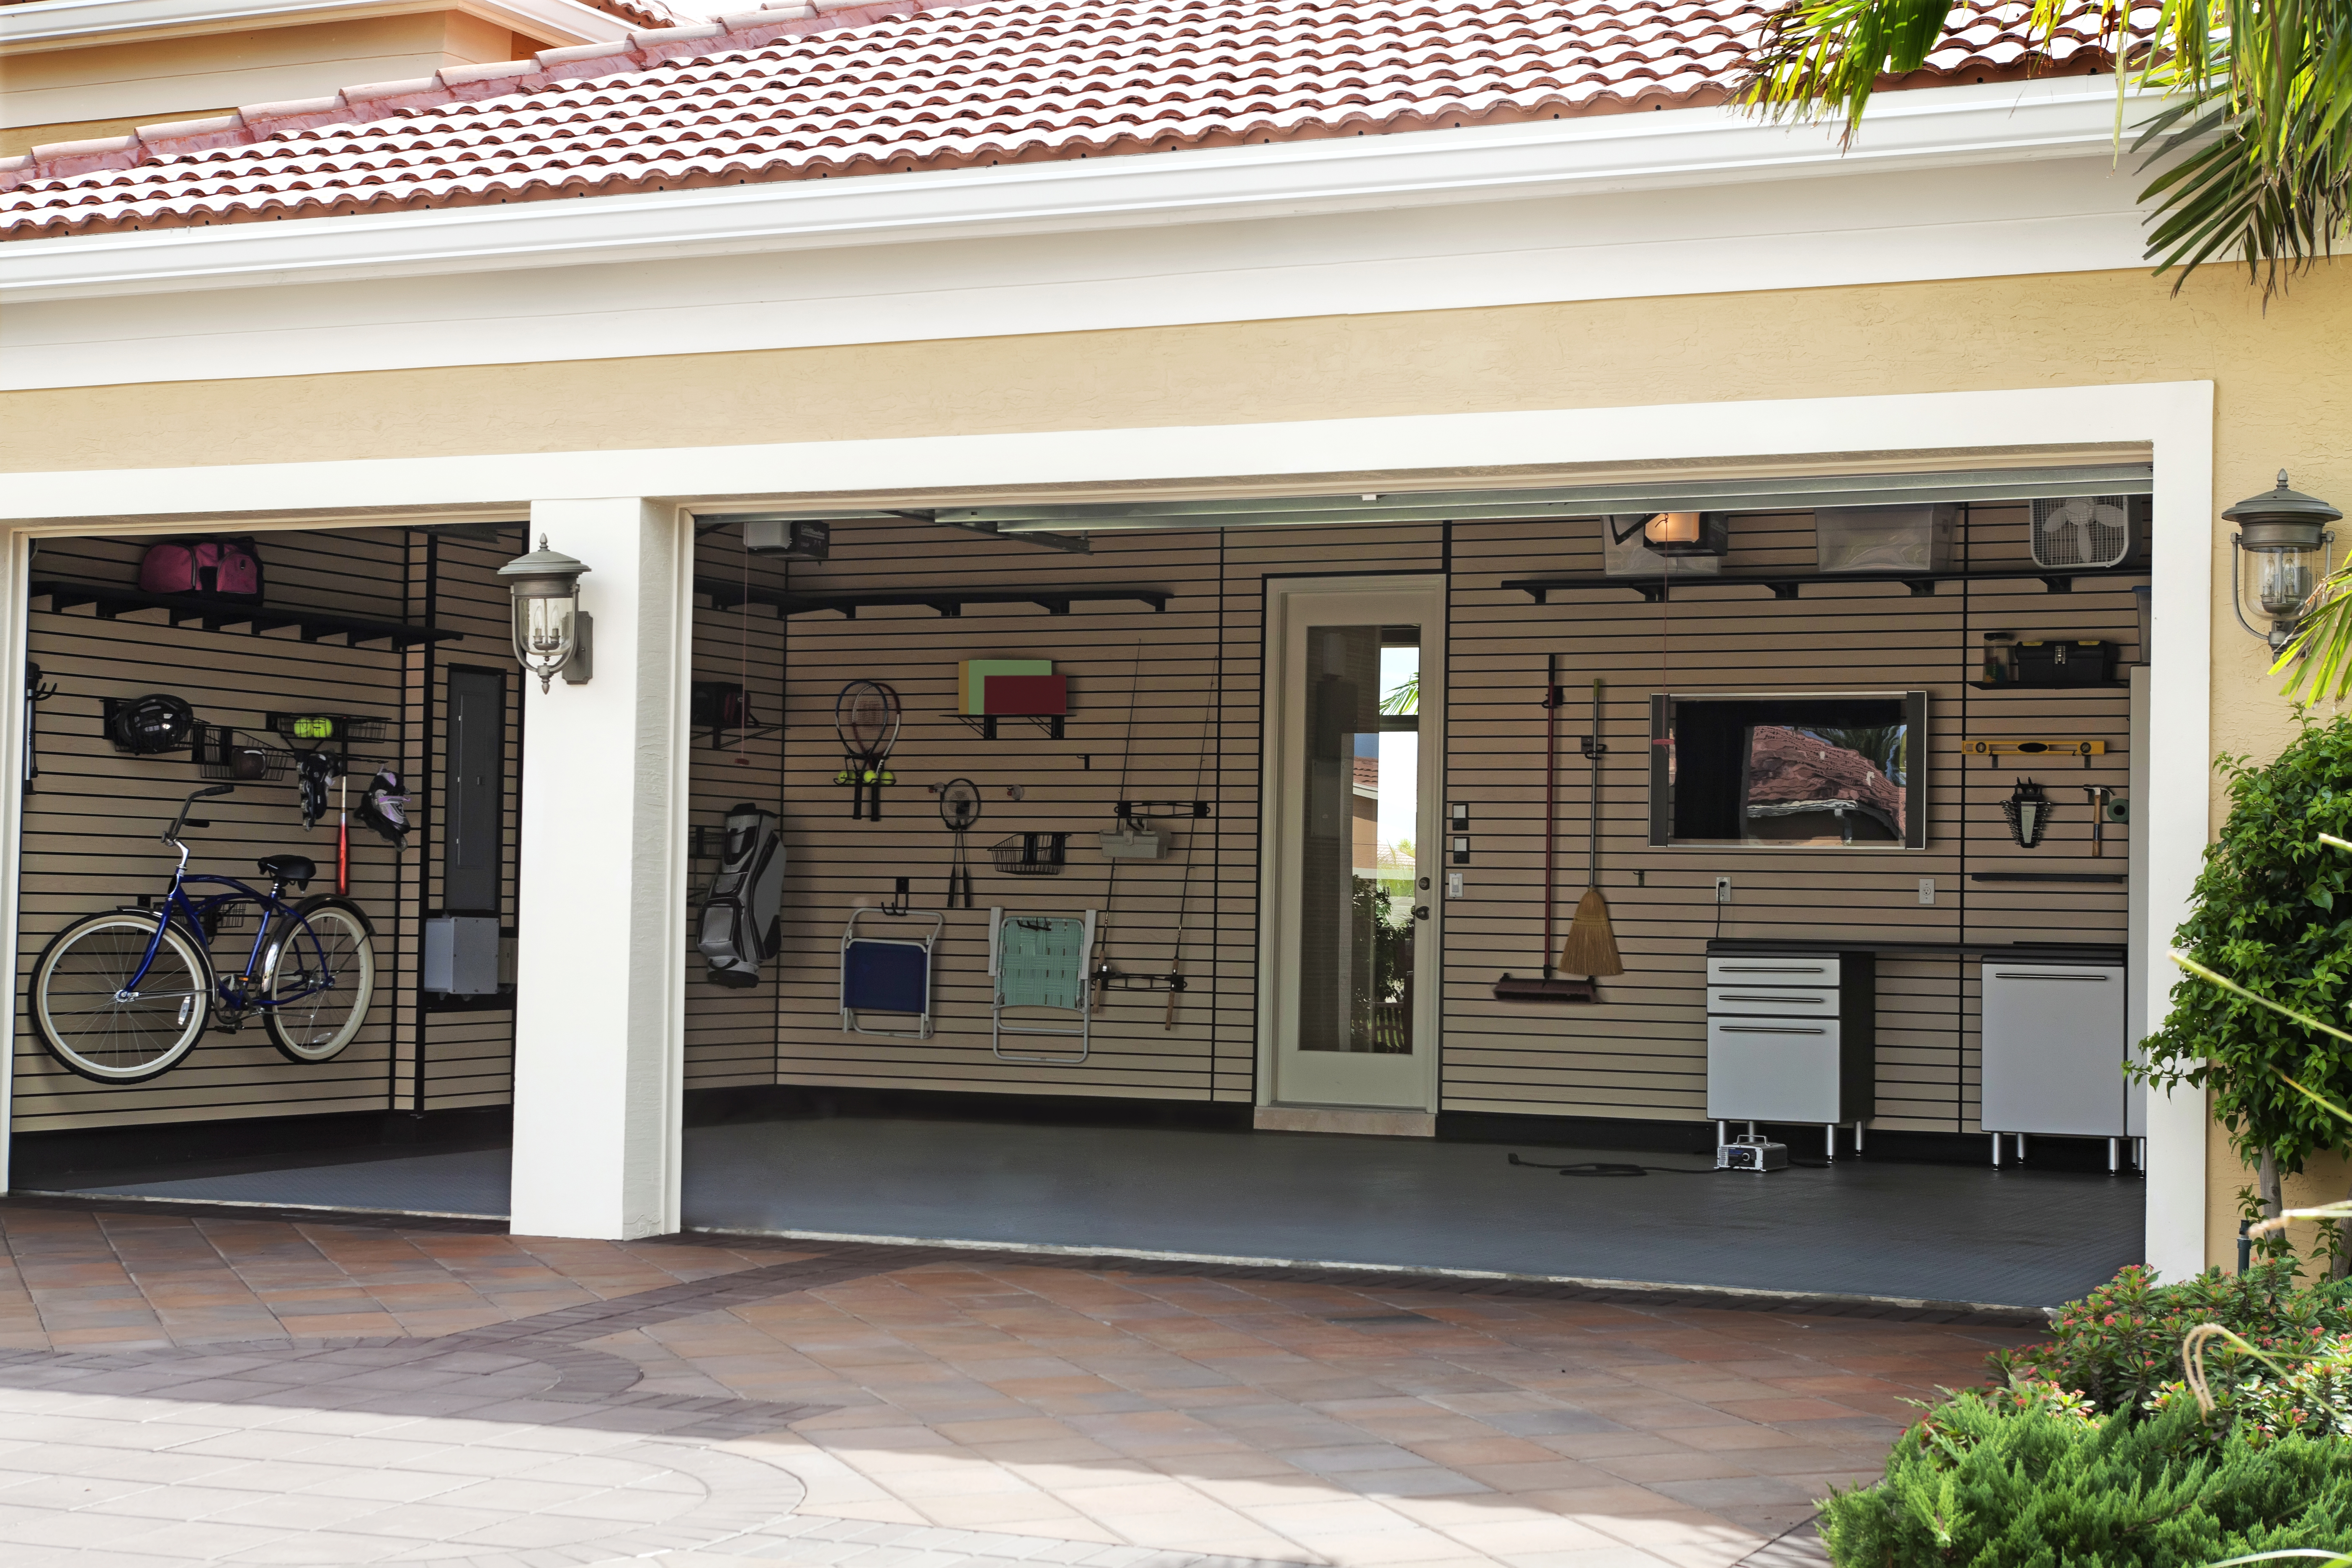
(1773,1000)
(1766,969)
(1768,1069)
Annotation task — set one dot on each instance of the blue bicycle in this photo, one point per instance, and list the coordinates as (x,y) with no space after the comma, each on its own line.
(122,997)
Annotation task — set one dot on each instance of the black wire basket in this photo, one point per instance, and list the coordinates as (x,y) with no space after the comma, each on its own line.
(225,754)
(1032,854)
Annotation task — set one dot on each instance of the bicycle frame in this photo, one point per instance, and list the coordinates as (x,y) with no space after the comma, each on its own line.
(192,913)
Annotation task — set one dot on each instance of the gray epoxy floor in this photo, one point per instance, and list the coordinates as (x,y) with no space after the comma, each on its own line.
(2013,1238)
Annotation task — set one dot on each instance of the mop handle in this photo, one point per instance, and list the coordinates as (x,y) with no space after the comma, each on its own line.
(1551,793)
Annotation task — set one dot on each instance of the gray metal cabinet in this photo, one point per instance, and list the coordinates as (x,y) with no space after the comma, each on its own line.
(2055,1047)
(1792,1036)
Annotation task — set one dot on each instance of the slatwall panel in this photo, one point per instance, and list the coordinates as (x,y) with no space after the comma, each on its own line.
(1639,1054)
(91,818)
(1642,1052)
(466,1049)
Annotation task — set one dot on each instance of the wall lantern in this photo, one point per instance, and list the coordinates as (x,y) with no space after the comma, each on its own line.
(2279,559)
(551,636)
(1688,532)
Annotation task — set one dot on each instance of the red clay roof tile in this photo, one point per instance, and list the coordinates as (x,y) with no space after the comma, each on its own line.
(838,89)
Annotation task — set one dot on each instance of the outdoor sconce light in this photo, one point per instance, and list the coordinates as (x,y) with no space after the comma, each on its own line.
(1688,532)
(551,636)
(2279,559)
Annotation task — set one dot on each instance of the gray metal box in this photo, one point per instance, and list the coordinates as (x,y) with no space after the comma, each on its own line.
(2055,1047)
(461,955)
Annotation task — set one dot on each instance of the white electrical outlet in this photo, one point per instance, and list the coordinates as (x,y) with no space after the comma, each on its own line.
(1927,890)
(1722,890)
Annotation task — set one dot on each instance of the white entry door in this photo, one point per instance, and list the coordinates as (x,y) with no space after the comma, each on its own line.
(1354,700)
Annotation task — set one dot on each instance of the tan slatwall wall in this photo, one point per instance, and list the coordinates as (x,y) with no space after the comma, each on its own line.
(1640,1054)
(91,817)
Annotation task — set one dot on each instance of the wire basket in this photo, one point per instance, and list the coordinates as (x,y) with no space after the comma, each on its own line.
(314,730)
(224,754)
(1032,854)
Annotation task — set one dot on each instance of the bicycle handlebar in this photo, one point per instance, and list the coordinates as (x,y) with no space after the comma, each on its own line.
(171,834)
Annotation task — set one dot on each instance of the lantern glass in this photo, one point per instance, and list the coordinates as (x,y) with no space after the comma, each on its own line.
(2279,579)
(544,634)
(1672,528)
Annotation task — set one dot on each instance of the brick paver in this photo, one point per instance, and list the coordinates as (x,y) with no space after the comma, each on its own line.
(188,1389)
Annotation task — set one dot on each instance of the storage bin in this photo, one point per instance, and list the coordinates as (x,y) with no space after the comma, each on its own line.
(2066,663)
(1623,553)
(1883,538)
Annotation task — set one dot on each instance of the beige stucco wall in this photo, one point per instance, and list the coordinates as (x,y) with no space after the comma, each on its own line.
(2282,380)
(107,88)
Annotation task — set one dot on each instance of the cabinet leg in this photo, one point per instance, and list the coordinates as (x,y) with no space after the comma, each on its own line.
(2114,1155)
(1996,1151)
(1857,1138)
(1829,1137)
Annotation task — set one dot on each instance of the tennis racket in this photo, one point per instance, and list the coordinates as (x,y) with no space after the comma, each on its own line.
(960,808)
(866,715)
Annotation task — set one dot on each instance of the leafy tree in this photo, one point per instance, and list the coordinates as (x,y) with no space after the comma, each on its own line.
(2251,145)
(2272,912)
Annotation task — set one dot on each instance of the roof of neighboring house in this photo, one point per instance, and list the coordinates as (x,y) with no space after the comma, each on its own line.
(1792,769)
(836,88)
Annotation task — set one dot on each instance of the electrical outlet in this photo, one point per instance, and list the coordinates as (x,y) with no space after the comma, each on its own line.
(1722,890)
(1927,890)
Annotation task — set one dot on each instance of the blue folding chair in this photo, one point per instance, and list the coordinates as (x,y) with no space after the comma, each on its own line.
(888,975)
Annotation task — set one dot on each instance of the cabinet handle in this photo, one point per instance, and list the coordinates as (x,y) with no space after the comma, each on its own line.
(2045,974)
(1813,1001)
(1767,1029)
(1773,968)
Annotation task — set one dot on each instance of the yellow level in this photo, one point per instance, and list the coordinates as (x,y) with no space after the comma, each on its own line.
(2086,749)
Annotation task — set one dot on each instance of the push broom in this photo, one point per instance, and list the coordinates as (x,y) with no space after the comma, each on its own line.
(1551,987)
(1592,945)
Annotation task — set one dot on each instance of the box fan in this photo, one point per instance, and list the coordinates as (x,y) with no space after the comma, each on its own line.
(2082,531)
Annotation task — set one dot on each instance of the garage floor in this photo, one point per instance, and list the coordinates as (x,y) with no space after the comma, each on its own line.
(1915,1232)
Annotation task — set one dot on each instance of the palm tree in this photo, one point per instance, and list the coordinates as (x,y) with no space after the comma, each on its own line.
(2250,149)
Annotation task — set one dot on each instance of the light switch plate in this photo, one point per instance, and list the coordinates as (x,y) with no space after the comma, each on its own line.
(1454,884)
(1927,890)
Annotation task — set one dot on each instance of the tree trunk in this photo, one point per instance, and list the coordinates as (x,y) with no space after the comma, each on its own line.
(2267,1187)
(2340,1266)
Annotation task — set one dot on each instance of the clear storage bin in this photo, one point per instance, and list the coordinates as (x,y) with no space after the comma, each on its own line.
(1884,538)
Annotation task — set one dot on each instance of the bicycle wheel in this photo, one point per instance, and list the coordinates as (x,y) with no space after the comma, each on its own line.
(89,1025)
(325,971)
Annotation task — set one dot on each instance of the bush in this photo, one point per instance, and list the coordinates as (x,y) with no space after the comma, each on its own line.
(2120,1345)
(2021,1479)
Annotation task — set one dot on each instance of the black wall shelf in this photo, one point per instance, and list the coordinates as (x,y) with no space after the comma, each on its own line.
(948,602)
(250,619)
(985,725)
(2048,877)
(1786,584)
(2050,685)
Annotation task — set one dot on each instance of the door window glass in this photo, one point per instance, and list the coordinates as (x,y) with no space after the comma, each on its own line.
(1359,866)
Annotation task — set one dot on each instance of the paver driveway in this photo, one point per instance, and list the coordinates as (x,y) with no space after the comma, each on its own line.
(184,1389)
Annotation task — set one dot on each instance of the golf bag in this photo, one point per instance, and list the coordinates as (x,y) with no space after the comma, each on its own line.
(740,928)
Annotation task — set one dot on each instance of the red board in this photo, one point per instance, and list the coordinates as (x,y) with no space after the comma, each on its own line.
(1034,695)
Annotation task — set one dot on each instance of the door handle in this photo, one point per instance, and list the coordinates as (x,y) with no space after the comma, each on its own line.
(1421,911)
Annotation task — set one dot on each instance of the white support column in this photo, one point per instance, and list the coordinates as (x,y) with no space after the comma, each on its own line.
(16,557)
(601,967)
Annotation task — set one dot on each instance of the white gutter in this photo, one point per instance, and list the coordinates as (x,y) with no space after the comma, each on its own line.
(68,24)
(1941,127)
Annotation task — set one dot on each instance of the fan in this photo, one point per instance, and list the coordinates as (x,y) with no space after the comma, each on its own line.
(866,716)
(960,808)
(2082,531)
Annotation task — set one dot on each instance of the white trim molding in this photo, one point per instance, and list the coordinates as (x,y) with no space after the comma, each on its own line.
(2171,422)
(77,24)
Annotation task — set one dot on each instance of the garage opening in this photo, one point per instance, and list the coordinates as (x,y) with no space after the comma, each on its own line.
(332,720)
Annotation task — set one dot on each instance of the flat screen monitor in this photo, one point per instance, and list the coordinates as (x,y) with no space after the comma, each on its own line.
(1842,770)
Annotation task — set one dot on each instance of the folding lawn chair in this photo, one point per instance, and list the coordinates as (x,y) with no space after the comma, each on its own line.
(888,975)
(1040,961)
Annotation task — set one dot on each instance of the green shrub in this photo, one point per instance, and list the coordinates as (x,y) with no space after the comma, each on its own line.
(2021,1480)
(2307,1398)
(2121,1344)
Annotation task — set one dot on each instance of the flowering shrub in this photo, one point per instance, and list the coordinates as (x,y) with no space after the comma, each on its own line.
(2120,1345)
(2309,1398)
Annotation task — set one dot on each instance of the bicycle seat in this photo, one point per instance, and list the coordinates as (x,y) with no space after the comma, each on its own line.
(296,869)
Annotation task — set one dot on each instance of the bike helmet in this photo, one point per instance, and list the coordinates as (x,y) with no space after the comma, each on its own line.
(157,721)
(383,806)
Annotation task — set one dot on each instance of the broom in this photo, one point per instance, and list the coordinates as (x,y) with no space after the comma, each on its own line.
(1550,987)
(1592,945)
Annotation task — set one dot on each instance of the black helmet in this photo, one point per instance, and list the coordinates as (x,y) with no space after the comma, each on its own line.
(157,721)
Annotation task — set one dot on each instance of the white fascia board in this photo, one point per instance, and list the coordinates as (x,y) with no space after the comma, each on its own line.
(1942,127)
(73,24)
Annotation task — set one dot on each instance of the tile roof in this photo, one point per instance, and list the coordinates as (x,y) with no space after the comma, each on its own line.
(835,88)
